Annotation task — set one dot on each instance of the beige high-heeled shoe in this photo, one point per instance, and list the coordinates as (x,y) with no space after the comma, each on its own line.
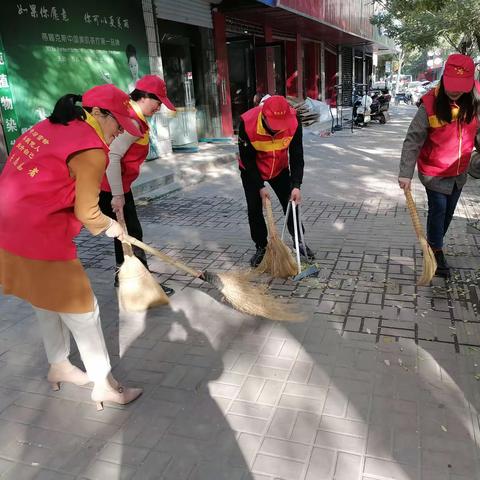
(104,392)
(66,372)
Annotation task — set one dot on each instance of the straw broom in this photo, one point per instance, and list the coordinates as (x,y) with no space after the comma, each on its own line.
(278,259)
(429,262)
(252,299)
(138,290)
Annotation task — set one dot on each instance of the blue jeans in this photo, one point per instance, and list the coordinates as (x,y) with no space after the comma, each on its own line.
(440,213)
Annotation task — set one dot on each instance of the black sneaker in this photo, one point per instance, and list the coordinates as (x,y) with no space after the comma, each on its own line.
(309,254)
(257,257)
(443,269)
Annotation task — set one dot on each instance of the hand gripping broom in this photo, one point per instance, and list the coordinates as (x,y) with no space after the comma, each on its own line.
(278,259)
(138,290)
(244,296)
(429,262)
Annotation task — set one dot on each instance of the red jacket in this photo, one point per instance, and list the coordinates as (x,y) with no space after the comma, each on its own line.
(272,151)
(37,218)
(447,150)
(134,157)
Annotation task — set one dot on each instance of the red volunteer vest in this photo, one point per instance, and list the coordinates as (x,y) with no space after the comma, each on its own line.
(134,157)
(447,150)
(37,219)
(272,151)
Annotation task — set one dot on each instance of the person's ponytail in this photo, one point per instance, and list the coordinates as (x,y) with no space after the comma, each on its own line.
(66,110)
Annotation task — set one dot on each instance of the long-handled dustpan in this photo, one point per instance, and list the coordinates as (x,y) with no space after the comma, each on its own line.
(311,270)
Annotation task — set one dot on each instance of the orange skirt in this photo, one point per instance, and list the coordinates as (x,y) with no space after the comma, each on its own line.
(60,286)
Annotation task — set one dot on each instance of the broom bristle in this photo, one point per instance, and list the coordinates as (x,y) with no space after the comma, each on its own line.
(278,260)
(138,290)
(429,263)
(253,298)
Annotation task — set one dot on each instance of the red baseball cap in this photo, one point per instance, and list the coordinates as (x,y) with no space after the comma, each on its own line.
(458,75)
(154,84)
(277,111)
(111,98)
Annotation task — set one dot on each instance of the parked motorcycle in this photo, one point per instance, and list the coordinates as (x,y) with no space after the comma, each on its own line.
(380,106)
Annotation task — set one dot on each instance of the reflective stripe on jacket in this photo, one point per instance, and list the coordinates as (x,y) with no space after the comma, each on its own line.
(272,150)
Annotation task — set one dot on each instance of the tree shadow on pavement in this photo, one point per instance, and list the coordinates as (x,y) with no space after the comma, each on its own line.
(175,430)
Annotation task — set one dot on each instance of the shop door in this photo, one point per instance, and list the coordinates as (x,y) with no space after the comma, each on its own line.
(177,66)
(241,68)
(270,68)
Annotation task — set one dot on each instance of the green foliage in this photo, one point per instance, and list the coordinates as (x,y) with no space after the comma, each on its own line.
(424,23)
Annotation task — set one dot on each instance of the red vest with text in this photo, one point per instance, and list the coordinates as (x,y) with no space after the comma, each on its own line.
(272,151)
(448,147)
(37,218)
(134,157)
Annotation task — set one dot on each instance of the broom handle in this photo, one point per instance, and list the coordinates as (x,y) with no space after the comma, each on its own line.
(300,228)
(126,247)
(287,213)
(163,256)
(413,214)
(270,220)
(297,246)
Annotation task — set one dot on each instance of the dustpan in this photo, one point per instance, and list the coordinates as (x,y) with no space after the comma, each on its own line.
(311,270)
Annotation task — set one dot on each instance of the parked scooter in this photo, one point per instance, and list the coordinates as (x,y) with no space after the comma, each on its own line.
(361,110)
(380,106)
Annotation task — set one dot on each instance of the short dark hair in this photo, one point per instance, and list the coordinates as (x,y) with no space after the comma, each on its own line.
(138,94)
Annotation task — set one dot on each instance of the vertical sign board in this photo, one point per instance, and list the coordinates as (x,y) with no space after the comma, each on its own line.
(51,48)
(8,114)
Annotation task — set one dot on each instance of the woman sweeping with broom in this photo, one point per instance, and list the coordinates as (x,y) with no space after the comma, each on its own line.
(50,187)
(440,141)
(127,154)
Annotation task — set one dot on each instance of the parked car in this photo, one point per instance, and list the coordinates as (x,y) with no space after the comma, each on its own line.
(417,89)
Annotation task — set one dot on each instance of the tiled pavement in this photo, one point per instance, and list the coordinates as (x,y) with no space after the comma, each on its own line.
(381,382)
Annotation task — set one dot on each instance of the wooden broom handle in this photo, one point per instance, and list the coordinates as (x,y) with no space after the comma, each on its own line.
(270,219)
(413,214)
(126,247)
(163,256)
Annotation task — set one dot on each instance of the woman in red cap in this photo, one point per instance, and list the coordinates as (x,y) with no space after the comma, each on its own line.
(50,187)
(127,153)
(440,141)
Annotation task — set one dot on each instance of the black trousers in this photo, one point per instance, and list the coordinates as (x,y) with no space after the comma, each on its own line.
(282,187)
(131,221)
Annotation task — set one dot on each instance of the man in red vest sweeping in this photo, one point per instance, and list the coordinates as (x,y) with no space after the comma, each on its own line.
(127,153)
(271,150)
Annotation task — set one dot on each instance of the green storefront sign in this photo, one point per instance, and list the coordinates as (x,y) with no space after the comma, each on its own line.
(53,48)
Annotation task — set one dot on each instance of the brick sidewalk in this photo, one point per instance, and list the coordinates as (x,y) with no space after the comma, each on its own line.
(381,382)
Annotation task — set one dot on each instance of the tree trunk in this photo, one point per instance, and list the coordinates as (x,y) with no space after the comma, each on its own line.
(401,56)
